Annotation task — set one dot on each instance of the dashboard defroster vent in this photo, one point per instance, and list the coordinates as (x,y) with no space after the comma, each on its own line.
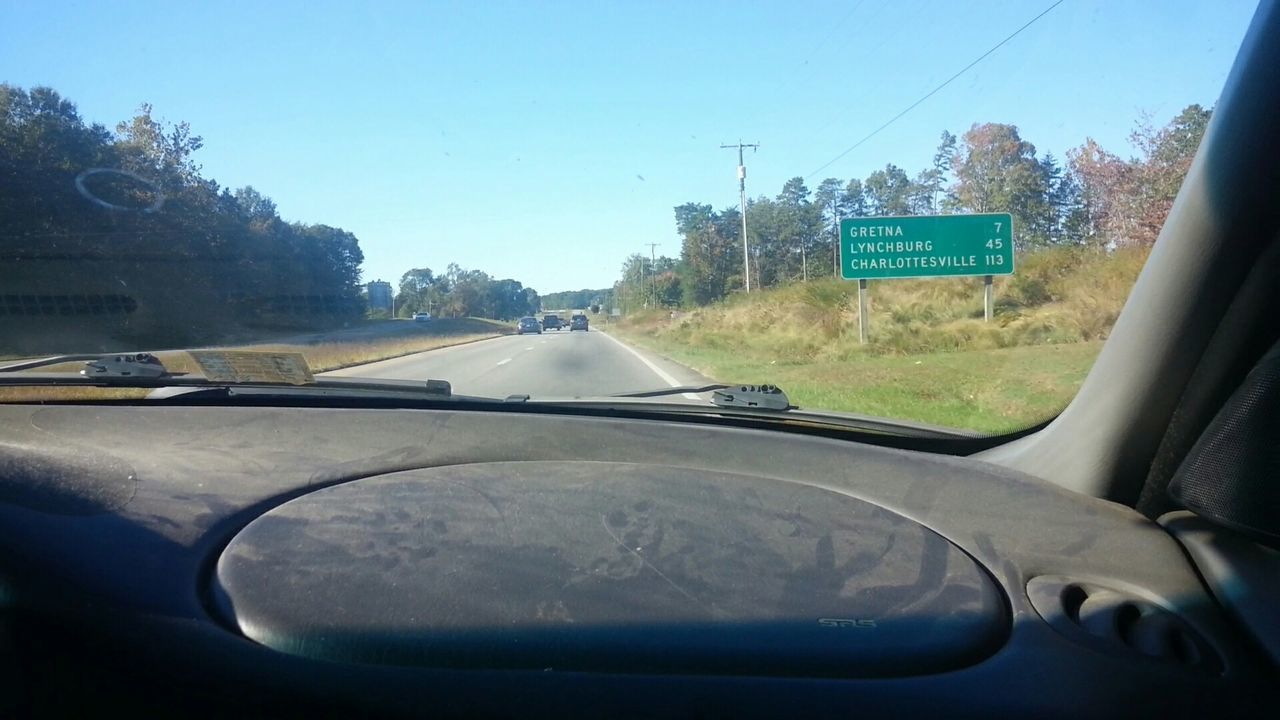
(1119,621)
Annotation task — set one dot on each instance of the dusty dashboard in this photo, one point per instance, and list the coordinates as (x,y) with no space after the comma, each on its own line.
(280,559)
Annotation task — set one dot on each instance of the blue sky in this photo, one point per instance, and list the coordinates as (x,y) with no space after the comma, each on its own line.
(546,141)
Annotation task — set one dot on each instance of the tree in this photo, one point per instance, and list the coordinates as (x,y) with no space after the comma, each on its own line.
(1105,191)
(254,206)
(159,152)
(921,192)
(574,299)
(997,171)
(854,202)
(1125,202)
(1063,224)
(710,252)
(667,290)
(769,253)
(1166,157)
(888,192)
(942,162)
(419,291)
(507,299)
(229,259)
(829,198)
(800,226)
(332,254)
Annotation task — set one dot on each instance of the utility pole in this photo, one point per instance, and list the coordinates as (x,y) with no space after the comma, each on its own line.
(835,245)
(643,299)
(653,274)
(742,195)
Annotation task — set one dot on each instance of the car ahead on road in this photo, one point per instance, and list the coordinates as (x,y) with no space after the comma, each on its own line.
(578,322)
(422,317)
(551,322)
(528,325)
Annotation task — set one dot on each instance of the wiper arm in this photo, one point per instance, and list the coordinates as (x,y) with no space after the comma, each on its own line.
(144,370)
(763,397)
(46,362)
(438,388)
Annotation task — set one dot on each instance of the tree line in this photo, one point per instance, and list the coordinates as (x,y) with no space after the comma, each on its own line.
(1095,198)
(463,293)
(85,210)
(592,300)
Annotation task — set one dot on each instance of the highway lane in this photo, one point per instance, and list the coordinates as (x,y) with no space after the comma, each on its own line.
(555,364)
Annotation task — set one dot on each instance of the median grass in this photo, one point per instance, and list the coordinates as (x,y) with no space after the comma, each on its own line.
(931,357)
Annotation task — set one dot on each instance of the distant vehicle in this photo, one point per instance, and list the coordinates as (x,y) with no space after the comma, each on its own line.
(551,322)
(528,325)
(578,322)
(422,317)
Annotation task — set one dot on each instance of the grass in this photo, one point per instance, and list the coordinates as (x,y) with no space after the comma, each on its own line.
(931,357)
(993,391)
(342,349)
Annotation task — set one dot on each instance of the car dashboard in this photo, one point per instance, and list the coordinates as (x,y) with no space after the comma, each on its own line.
(285,560)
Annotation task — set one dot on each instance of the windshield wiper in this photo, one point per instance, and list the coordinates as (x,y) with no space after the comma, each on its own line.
(677,390)
(764,397)
(761,397)
(55,360)
(144,370)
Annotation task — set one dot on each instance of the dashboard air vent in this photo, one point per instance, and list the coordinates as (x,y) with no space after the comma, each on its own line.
(1118,621)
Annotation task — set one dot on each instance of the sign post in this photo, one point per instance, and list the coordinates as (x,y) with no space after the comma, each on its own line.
(864,310)
(986,298)
(917,246)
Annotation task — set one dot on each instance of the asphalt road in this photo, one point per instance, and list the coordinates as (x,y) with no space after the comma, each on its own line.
(555,364)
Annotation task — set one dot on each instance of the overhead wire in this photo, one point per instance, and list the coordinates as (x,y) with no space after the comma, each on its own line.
(789,80)
(935,90)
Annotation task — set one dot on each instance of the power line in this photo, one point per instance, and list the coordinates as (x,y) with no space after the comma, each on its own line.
(872,51)
(788,83)
(934,91)
(835,30)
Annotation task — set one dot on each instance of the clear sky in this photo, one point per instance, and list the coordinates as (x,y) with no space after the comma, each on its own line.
(545,141)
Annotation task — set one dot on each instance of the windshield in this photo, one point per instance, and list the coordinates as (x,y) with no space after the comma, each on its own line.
(929,212)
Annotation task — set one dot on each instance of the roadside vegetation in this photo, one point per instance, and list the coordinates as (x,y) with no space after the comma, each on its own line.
(930,357)
(116,238)
(1083,229)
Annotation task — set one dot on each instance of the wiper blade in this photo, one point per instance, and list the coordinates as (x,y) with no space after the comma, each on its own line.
(438,388)
(46,362)
(762,397)
(144,370)
(677,390)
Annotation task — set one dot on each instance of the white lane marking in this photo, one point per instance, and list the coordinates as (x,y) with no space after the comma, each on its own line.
(529,347)
(504,362)
(666,377)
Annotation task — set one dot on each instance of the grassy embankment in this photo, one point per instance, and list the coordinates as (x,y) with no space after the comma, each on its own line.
(379,340)
(931,357)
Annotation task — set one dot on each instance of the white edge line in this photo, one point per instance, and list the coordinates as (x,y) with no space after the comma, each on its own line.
(666,377)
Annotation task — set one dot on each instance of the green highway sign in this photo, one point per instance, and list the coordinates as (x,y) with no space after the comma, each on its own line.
(912,246)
